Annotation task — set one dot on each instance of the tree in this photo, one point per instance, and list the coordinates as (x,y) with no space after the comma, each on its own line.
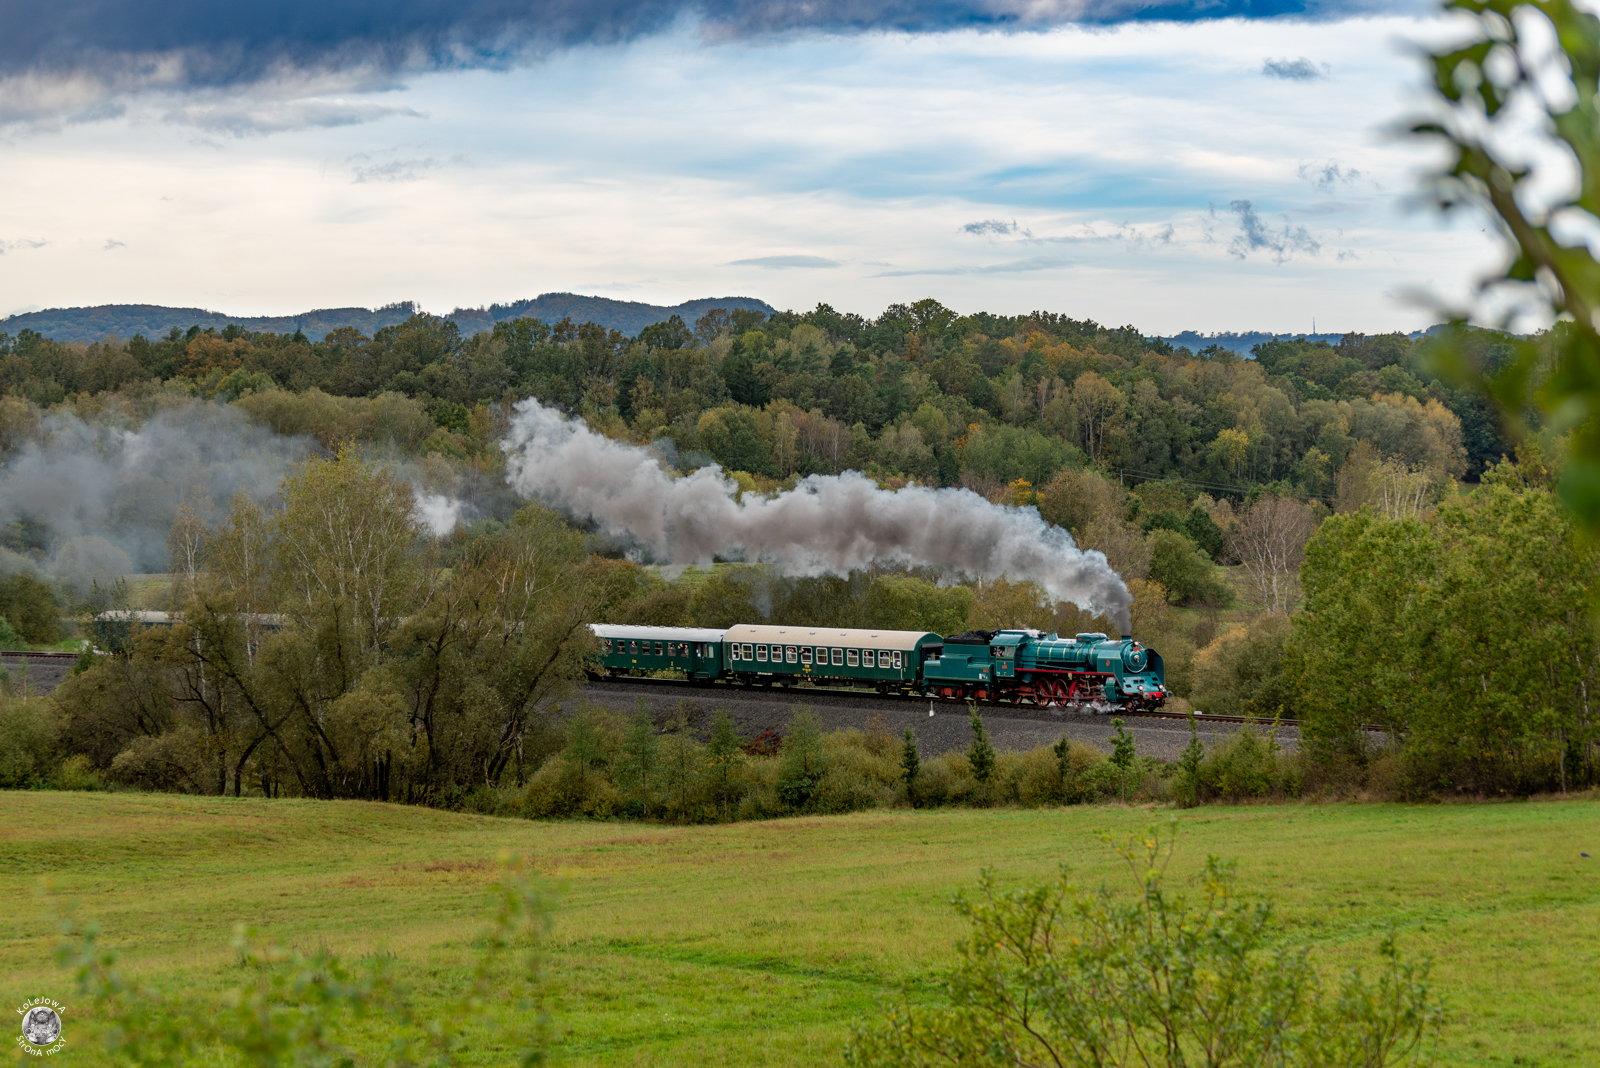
(1270,541)
(1057,975)
(980,754)
(910,764)
(1204,532)
(723,760)
(1098,406)
(800,762)
(1186,572)
(636,767)
(1123,754)
(32,608)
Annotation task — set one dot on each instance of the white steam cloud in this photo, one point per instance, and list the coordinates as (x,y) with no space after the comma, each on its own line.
(829,524)
(439,513)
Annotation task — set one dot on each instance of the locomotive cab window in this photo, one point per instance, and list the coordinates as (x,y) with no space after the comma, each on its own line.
(789,654)
(761,652)
(869,658)
(838,658)
(852,658)
(805,654)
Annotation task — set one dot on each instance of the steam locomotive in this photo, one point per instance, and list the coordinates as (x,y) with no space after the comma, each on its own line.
(1086,671)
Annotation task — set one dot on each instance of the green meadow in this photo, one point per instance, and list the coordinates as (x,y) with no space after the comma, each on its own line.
(759,943)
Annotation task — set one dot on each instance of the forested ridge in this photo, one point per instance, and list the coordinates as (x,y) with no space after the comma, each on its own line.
(1266,513)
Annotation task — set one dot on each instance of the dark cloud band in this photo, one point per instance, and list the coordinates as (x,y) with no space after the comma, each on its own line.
(198,43)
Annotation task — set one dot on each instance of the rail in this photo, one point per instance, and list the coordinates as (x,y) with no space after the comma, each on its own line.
(29,654)
(855,691)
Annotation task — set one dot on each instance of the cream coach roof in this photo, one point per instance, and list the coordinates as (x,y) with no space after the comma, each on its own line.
(905,640)
(657,634)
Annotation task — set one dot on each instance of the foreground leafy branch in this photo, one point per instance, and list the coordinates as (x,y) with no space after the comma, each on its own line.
(1486,88)
(1056,975)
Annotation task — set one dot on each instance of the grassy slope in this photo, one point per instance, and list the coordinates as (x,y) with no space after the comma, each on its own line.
(757,943)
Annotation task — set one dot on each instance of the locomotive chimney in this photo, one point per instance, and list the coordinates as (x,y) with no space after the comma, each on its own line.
(1127,637)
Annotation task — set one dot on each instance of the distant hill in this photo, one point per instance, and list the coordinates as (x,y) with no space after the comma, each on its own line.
(1194,341)
(153,320)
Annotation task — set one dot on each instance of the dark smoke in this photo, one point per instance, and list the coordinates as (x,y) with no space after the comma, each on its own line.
(829,524)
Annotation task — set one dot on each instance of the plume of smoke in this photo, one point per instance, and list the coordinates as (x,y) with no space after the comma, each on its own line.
(829,524)
(439,513)
(85,500)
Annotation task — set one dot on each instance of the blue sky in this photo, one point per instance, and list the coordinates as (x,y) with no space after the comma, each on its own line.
(1209,174)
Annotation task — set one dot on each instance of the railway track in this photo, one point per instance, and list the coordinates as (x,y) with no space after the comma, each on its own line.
(1030,710)
(28,654)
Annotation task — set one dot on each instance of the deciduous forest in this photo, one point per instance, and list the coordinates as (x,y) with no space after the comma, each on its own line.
(1323,532)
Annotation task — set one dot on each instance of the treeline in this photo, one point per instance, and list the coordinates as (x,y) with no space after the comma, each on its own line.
(917,393)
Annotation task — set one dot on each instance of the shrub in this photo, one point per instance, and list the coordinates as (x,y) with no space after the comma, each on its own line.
(1247,766)
(29,732)
(857,774)
(1056,974)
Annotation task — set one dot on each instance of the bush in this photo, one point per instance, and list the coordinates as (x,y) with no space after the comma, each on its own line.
(29,732)
(1246,767)
(1057,974)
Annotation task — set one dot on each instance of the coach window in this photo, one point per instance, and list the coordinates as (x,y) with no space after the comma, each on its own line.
(838,658)
(852,658)
(748,655)
(761,652)
(869,658)
(605,644)
(822,655)
(791,654)
(896,659)
(633,647)
(805,654)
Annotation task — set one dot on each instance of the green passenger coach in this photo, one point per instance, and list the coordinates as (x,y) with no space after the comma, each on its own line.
(881,659)
(695,651)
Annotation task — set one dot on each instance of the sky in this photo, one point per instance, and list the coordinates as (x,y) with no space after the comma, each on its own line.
(1212,167)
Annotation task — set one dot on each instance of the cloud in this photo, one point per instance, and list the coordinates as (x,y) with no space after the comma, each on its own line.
(62,63)
(1038,263)
(112,243)
(396,170)
(785,261)
(13,246)
(1327,175)
(994,227)
(1254,234)
(1294,70)
(244,118)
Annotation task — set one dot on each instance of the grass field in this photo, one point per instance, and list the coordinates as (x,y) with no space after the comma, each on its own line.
(757,943)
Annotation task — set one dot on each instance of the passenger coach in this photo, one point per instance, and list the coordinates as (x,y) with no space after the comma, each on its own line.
(695,651)
(882,659)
